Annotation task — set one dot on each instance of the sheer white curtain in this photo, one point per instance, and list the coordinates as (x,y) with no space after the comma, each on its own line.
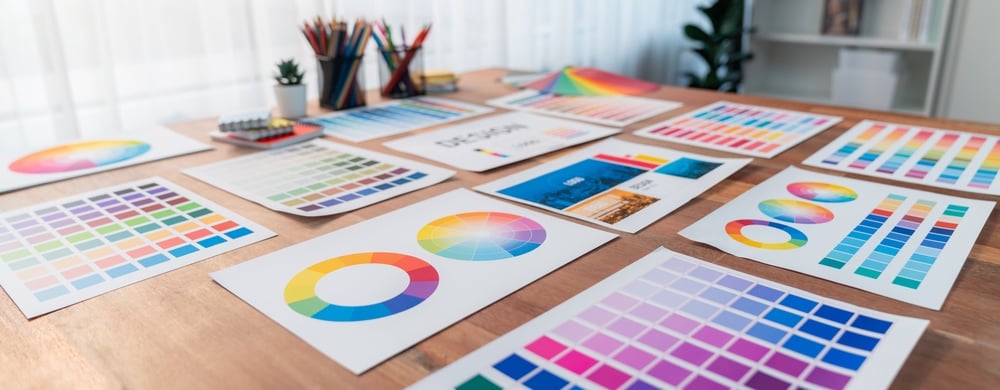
(85,68)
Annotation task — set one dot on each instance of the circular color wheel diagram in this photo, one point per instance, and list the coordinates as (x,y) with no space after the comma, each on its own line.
(796,239)
(481,236)
(822,192)
(80,155)
(795,211)
(300,292)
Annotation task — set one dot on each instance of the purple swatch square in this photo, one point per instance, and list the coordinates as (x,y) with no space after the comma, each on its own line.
(728,368)
(689,286)
(658,340)
(648,312)
(669,372)
(602,343)
(748,349)
(827,378)
(706,274)
(679,323)
(626,327)
(572,331)
(702,383)
(597,316)
(712,336)
(634,357)
(786,364)
(762,381)
(618,301)
(692,353)
(609,377)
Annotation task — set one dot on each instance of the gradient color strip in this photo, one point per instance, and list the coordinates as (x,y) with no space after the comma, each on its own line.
(961,161)
(987,172)
(893,163)
(920,262)
(850,244)
(880,147)
(855,144)
(889,247)
(931,158)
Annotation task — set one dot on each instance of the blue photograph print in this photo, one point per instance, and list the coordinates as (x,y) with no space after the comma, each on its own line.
(565,187)
(688,167)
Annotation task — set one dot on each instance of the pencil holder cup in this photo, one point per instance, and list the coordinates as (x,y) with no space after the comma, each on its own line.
(339,85)
(399,72)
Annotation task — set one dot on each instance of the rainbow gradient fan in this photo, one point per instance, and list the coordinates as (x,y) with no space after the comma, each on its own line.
(590,82)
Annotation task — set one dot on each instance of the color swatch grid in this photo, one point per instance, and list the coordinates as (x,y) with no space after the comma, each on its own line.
(62,252)
(672,321)
(318,178)
(616,111)
(740,128)
(394,117)
(905,244)
(941,158)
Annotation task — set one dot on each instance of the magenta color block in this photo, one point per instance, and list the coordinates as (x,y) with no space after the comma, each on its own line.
(669,372)
(728,368)
(702,383)
(619,301)
(827,378)
(609,377)
(692,353)
(572,331)
(786,364)
(679,323)
(545,347)
(597,316)
(748,349)
(658,340)
(602,343)
(626,327)
(648,312)
(576,362)
(712,336)
(634,357)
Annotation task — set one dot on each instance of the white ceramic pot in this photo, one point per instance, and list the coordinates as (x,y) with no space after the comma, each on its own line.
(291,100)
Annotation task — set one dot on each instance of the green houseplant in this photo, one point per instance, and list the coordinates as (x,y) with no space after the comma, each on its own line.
(720,48)
(290,92)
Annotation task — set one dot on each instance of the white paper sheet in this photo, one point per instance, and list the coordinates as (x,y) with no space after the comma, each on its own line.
(394,117)
(618,111)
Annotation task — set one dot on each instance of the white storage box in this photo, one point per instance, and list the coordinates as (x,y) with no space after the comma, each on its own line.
(864,88)
(866,59)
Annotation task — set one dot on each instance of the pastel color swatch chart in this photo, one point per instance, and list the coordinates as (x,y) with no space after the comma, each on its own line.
(618,111)
(319,178)
(949,159)
(739,128)
(394,117)
(65,251)
(366,292)
(901,243)
(673,321)
(616,184)
(84,157)
(499,140)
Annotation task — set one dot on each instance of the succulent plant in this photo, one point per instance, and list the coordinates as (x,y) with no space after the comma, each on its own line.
(288,72)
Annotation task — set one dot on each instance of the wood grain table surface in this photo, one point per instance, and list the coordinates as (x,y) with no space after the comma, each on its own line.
(180,330)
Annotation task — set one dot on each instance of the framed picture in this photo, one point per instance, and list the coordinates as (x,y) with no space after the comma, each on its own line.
(841,17)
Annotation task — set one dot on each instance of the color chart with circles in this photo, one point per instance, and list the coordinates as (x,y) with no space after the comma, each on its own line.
(739,128)
(898,242)
(498,140)
(616,184)
(319,178)
(84,157)
(617,111)
(394,117)
(367,292)
(673,321)
(950,159)
(62,252)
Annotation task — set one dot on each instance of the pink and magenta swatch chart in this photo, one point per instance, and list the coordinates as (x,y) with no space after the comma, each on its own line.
(949,159)
(673,321)
(898,242)
(394,117)
(63,252)
(618,111)
(740,128)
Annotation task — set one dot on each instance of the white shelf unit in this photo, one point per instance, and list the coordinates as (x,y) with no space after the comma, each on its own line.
(793,60)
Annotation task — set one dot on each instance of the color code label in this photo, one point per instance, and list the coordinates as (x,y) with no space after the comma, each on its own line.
(394,117)
(604,110)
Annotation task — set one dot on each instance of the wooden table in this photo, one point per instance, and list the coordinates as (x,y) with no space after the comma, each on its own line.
(181,330)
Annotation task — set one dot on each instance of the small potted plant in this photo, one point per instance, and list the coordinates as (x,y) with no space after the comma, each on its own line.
(290,93)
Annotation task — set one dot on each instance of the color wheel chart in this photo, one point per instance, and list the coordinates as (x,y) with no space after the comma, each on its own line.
(83,157)
(905,244)
(949,159)
(318,178)
(673,321)
(63,252)
(740,128)
(618,111)
(366,292)
(394,117)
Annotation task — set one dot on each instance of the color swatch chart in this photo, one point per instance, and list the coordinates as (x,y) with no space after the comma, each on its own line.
(63,252)
(740,128)
(83,157)
(618,111)
(394,117)
(319,177)
(949,159)
(897,242)
(616,184)
(367,292)
(673,321)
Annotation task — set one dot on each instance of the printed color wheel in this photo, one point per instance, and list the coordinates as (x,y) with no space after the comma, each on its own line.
(481,236)
(796,238)
(822,192)
(795,211)
(300,293)
(80,155)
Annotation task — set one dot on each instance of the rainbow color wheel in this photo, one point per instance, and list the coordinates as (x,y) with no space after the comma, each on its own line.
(481,236)
(300,292)
(80,155)
(590,82)
(795,211)
(822,192)
(796,239)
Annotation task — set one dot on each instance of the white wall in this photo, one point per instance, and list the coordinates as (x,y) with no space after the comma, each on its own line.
(970,87)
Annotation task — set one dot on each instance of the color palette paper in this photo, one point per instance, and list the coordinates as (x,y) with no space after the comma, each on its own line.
(617,184)
(499,140)
(65,251)
(319,178)
(897,242)
(574,81)
(394,117)
(949,159)
(364,293)
(740,128)
(673,321)
(618,111)
(79,158)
